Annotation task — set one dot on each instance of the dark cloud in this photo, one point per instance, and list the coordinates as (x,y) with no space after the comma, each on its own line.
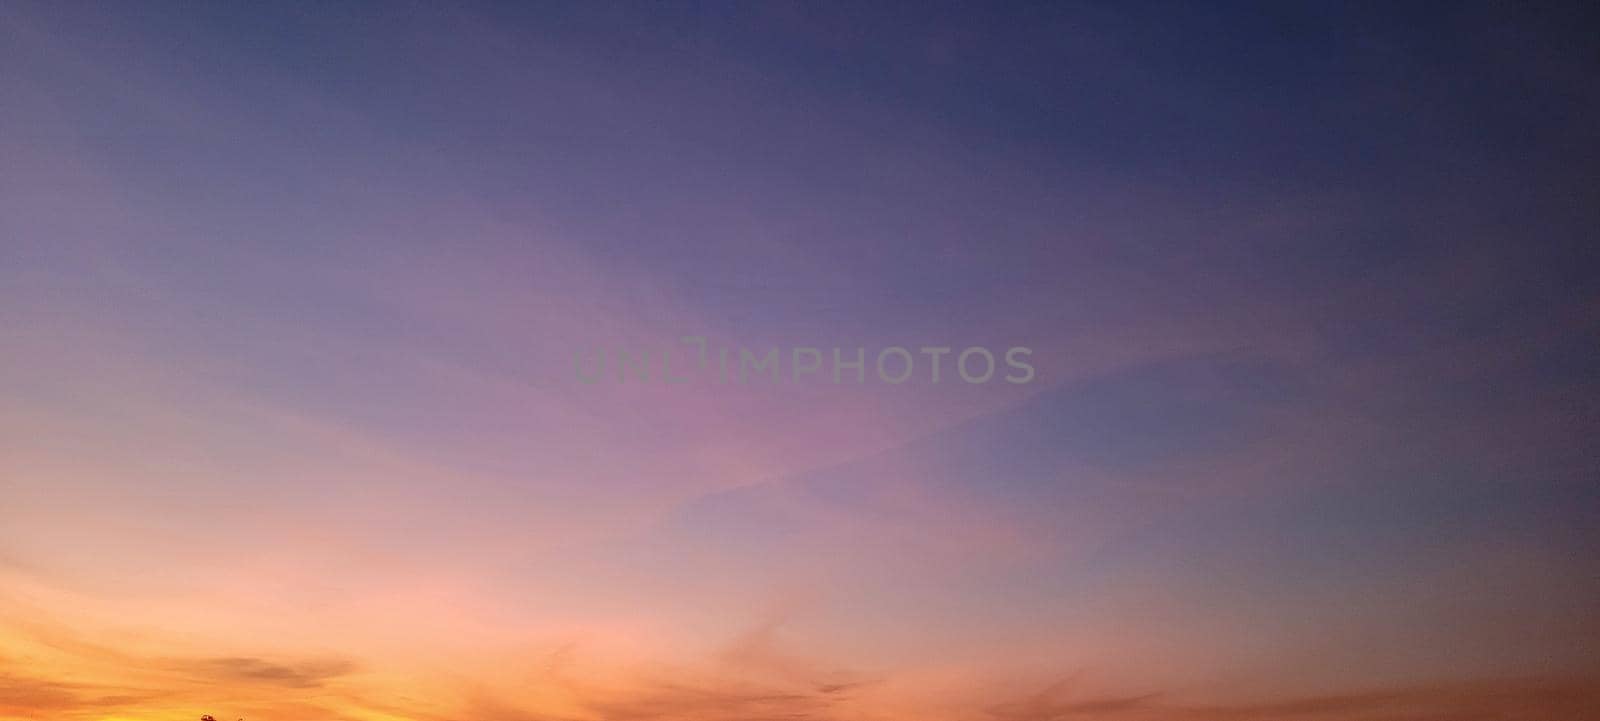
(685,700)
(1058,701)
(30,692)
(26,695)
(18,694)
(670,701)
(1510,699)
(302,674)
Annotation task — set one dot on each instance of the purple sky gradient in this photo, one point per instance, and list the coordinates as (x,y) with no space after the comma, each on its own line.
(289,298)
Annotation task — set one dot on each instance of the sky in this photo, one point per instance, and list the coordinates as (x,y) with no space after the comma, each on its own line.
(295,300)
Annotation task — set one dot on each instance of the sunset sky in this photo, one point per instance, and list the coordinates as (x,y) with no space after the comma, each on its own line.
(292,297)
